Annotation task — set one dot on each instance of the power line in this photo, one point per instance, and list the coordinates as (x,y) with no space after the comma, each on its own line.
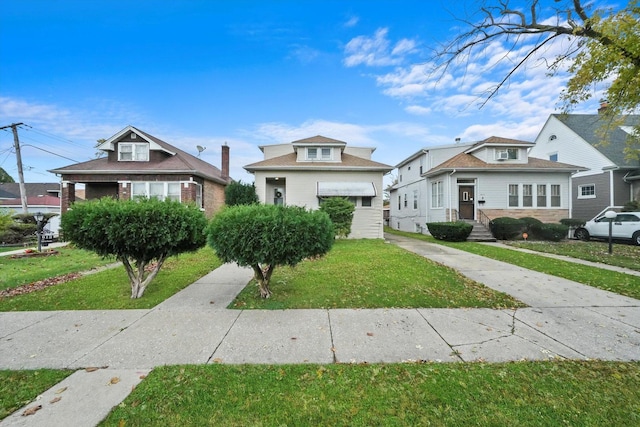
(50,135)
(50,152)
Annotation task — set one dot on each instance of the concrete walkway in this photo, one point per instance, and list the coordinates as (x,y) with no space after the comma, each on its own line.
(565,320)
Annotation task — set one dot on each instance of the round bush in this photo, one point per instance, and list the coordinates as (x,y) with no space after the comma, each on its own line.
(505,228)
(450,231)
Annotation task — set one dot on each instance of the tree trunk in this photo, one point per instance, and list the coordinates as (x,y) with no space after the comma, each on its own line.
(136,275)
(263,277)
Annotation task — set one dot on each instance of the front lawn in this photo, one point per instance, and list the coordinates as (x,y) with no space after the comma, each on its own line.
(521,393)
(18,388)
(624,255)
(22,271)
(620,283)
(110,289)
(371,274)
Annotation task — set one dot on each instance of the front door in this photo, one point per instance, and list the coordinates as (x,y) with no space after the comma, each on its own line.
(465,200)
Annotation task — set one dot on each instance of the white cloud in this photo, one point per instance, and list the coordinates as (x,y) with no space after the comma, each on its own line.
(352,22)
(377,50)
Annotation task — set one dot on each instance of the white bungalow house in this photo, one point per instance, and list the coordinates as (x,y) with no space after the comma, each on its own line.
(306,171)
(612,177)
(485,180)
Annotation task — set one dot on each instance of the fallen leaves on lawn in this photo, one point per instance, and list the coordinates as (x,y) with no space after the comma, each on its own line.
(39,285)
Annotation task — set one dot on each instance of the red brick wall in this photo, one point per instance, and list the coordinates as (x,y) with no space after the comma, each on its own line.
(544,215)
(68,196)
(213,195)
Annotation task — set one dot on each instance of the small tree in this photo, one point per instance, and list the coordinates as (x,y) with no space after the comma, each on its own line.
(238,193)
(264,236)
(340,210)
(135,232)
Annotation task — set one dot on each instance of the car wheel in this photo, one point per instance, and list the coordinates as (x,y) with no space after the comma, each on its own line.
(636,238)
(581,234)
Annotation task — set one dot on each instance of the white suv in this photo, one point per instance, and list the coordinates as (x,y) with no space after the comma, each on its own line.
(626,225)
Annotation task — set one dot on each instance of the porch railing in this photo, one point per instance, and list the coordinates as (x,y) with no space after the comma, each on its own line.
(483,218)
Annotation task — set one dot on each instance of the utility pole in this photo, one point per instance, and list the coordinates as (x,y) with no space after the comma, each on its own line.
(16,144)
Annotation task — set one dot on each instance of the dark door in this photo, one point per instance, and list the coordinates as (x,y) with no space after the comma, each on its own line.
(465,200)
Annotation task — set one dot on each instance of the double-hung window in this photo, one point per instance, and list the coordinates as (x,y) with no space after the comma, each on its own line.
(133,152)
(415,199)
(542,195)
(159,190)
(436,194)
(527,195)
(555,195)
(513,196)
(312,153)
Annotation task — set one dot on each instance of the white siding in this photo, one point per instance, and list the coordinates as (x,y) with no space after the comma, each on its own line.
(277,150)
(300,189)
(364,152)
(556,138)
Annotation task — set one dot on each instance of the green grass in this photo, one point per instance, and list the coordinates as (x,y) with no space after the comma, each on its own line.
(624,255)
(110,289)
(370,274)
(18,388)
(620,283)
(519,393)
(22,271)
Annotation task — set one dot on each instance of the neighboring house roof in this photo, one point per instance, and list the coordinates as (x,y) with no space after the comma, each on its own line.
(32,201)
(589,128)
(497,141)
(10,190)
(289,162)
(467,162)
(176,162)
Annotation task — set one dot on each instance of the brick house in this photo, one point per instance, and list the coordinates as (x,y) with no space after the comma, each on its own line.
(137,164)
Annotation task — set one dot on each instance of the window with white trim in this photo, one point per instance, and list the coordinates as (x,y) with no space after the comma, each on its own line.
(555,195)
(325,153)
(507,154)
(514,199)
(415,199)
(312,153)
(133,152)
(365,202)
(159,190)
(527,195)
(587,191)
(541,195)
(436,194)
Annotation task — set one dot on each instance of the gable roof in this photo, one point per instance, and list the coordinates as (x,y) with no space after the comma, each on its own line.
(177,162)
(467,162)
(588,126)
(289,162)
(318,139)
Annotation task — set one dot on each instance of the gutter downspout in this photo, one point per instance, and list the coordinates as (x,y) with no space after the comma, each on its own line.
(450,196)
(611,188)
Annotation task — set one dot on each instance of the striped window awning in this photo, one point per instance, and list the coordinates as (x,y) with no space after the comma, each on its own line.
(347,189)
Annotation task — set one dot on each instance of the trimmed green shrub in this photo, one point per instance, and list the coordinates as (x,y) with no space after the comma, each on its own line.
(239,193)
(137,232)
(572,222)
(552,232)
(631,206)
(340,210)
(505,228)
(531,225)
(457,231)
(264,236)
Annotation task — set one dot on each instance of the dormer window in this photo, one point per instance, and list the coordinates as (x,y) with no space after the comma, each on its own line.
(507,154)
(133,152)
(318,153)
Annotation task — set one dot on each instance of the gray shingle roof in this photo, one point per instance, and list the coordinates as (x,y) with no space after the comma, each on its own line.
(589,126)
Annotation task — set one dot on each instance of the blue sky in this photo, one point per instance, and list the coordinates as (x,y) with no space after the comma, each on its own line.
(250,73)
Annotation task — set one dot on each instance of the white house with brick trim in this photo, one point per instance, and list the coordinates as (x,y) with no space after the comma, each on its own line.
(483,180)
(305,172)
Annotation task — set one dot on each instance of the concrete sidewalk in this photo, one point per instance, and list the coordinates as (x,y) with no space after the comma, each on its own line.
(565,320)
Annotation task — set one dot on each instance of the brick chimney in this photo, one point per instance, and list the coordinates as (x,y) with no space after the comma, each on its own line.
(225,161)
(604,104)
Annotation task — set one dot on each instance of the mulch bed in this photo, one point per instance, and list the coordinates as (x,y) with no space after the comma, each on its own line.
(35,254)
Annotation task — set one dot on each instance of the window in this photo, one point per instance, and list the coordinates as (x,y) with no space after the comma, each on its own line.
(507,154)
(553,157)
(527,195)
(555,195)
(366,202)
(542,195)
(325,153)
(405,200)
(587,191)
(312,153)
(436,194)
(399,202)
(160,190)
(513,196)
(133,152)
(415,199)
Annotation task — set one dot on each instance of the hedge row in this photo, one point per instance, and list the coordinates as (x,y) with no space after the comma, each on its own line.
(506,228)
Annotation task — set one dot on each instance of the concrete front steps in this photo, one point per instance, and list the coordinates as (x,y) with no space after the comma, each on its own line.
(480,233)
